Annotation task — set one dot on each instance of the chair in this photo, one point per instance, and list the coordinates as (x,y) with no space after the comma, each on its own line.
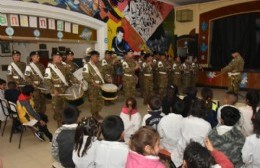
(4,107)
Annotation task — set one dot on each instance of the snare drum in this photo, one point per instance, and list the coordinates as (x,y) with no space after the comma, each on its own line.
(79,76)
(109,91)
(74,95)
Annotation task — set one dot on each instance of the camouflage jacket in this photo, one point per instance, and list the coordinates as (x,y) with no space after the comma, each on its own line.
(176,68)
(107,68)
(32,77)
(236,65)
(147,69)
(12,75)
(129,66)
(72,66)
(91,76)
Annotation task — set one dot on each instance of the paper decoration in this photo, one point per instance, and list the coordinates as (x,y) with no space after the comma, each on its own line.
(60,25)
(9,31)
(51,24)
(33,21)
(86,34)
(67,27)
(37,34)
(3,20)
(14,20)
(75,29)
(24,22)
(42,23)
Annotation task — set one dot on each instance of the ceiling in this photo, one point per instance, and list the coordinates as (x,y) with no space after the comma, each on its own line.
(184,2)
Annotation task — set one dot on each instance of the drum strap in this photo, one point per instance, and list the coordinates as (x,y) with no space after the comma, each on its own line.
(36,69)
(97,71)
(59,73)
(18,70)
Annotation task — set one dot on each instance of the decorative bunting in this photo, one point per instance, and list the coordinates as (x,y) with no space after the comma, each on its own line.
(67,27)
(42,23)
(60,25)
(33,21)
(14,20)
(51,24)
(24,22)
(3,20)
(75,29)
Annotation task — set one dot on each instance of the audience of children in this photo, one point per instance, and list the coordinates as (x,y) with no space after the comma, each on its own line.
(171,97)
(131,118)
(191,96)
(12,93)
(86,142)
(63,139)
(154,109)
(2,88)
(144,149)
(250,150)
(3,110)
(226,137)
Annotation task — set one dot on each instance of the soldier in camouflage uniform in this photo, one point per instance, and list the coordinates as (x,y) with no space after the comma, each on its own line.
(69,61)
(16,69)
(195,68)
(176,71)
(156,58)
(107,66)
(58,78)
(147,67)
(129,81)
(186,75)
(163,69)
(92,73)
(140,75)
(234,69)
(34,74)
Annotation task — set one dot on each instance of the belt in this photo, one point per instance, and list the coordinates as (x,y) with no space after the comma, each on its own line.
(233,73)
(36,82)
(147,74)
(16,77)
(97,82)
(57,85)
(177,73)
(163,73)
(129,75)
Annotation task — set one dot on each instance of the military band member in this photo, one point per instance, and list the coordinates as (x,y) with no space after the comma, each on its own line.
(58,78)
(162,68)
(34,74)
(129,80)
(141,74)
(69,61)
(107,66)
(234,69)
(195,68)
(147,67)
(176,71)
(92,73)
(186,75)
(16,69)
(156,58)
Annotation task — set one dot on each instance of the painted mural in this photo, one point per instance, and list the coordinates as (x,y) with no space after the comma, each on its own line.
(136,24)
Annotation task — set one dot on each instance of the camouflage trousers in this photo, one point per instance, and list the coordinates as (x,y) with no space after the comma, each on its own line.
(194,79)
(186,80)
(39,101)
(163,83)
(129,86)
(58,105)
(234,82)
(177,80)
(95,99)
(147,88)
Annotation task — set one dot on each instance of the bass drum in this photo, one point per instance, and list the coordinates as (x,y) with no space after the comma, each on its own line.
(79,76)
(109,91)
(74,95)
(43,87)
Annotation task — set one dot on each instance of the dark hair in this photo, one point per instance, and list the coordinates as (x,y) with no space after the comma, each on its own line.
(230,115)
(2,81)
(198,108)
(178,107)
(206,94)
(197,156)
(233,97)
(134,104)
(144,136)
(120,29)
(92,53)
(27,90)
(252,99)
(11,85)
(112,127)
(70,115)
(192,91)
(155,103)
(174,89)
(87,126)
(256,123)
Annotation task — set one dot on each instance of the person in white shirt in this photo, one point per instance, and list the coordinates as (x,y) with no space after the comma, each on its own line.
(131,118)
(111,152)
(194,128)
(250,150)
(248,112)
(86,142)
(2,96)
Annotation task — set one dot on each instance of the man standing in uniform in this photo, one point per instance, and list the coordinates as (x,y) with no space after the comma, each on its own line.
(147,67)
(129,81)
(107,66)
(234,69)
(16,70)
(195,68)
(69,61)
(186,76)
(156,58)
(58,78)
(176,67)
(162,67)
(34,73)
(92,73)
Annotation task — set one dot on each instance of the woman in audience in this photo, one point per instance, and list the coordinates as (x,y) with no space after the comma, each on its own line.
(248,112)
(86,142)
(170,99)
(191,96)
(144,146)
(250,150)
(131,118)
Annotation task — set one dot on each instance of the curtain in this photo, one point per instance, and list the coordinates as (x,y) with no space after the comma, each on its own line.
(234,32)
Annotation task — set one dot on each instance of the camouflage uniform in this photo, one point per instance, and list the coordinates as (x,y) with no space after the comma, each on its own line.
(12,75)
(129,83)
(234,69)
(147,81)
(141,76)
(34,79)
(54,82)
(195,67)
(94,92)
(108,69)
(162,68)
(186,76)
(72,66)
(155,76)
(176,71)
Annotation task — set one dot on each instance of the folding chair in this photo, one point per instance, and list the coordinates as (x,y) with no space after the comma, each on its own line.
(4,106)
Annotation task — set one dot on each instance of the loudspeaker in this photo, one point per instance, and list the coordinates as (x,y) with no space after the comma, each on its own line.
(185,15)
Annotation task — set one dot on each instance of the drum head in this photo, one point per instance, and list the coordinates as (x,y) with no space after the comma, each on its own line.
(79,76)
(74,92)
(109,87)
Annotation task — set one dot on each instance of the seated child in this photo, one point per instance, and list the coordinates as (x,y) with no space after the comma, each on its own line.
(63,139)
(170,99)
(145,146)
(250,150)
(226,137)
(3,110)
(86,142)
(12,93)
(131,118)
(2,88)
(111,152)
(154,113)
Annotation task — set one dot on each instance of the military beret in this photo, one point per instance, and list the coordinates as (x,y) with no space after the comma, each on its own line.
(34,53)
(57,53)
(69,52)
(16,52)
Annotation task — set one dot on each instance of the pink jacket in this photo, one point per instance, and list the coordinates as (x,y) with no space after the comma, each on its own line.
(135,160)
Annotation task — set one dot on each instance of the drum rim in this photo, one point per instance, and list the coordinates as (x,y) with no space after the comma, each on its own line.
(112,98)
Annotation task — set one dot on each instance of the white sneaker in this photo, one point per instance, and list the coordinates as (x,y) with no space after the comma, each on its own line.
(39,135)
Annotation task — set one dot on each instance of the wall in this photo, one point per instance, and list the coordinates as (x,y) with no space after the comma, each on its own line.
(183,28)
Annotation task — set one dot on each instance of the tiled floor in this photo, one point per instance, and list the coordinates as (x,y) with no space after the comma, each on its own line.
(36,154)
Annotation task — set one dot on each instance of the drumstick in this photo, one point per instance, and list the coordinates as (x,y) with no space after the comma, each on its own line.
(218,75)
(42,88)
(61,95)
